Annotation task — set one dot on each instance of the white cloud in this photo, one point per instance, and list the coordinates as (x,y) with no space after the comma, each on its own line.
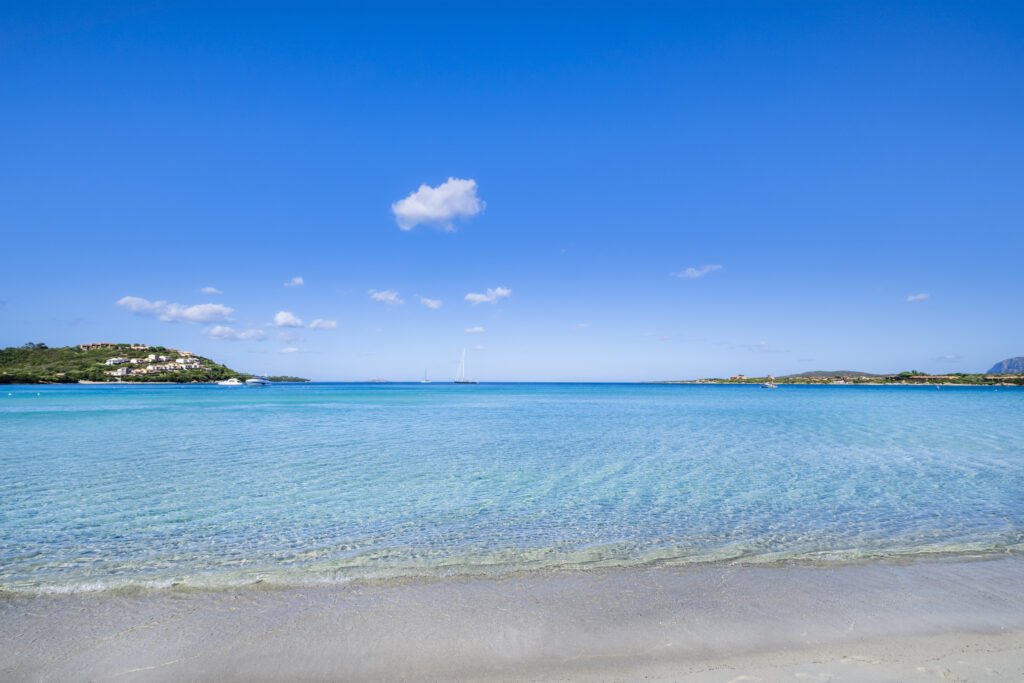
(177,313)
(210,290)
(286,319)
(479,347)
(288,349)
(698,272)
(916,297)
(224,332)
(439,206)
(581,326)
(475,330)
(388,296)
(321,324)
(491,297)
(295,282)
(764,347)
(288,337)
(431,303)
(954,357)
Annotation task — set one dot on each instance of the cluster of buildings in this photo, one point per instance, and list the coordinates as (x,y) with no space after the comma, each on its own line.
(155,364)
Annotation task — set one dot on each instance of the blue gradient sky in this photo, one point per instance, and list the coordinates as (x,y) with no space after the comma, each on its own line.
(833,159)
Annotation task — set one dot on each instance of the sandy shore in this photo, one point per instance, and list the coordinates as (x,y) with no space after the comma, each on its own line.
(935,620)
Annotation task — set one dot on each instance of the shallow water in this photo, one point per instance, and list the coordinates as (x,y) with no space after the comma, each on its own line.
(103,487)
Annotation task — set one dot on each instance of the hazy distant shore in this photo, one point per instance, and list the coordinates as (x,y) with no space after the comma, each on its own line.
(873,621)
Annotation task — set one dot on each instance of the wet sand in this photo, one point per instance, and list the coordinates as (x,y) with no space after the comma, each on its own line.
(925,620)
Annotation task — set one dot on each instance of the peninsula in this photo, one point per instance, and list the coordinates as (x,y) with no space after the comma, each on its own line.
(854,377)
(36,363)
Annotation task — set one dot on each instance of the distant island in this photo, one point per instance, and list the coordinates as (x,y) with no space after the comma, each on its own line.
(1003,373)
(36,363)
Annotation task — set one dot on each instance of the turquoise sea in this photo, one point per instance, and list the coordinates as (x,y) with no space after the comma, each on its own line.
(111,487)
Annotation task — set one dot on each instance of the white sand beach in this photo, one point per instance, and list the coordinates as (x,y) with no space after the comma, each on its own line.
(926,620)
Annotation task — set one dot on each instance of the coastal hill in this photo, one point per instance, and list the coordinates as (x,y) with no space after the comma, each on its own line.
(830,373)
(36,363)
(1010,366)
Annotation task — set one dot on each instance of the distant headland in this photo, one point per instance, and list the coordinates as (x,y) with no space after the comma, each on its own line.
(1007,372)
(36,363)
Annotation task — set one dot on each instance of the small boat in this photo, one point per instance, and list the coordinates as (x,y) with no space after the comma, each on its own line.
(424,380)
(460,376)
(233,382)
(770,384)
(258,381)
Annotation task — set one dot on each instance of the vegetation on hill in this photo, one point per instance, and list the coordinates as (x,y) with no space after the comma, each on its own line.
(286,378)
(831,373)
(35,363)
(850,377)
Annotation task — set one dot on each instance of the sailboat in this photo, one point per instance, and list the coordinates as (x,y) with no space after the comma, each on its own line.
(460,376)
(424,380)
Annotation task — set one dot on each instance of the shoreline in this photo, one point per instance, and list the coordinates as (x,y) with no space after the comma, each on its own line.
(264,581)
(881,620)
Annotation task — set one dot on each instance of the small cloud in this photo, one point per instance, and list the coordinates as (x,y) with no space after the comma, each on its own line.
(431,303)
(916,297)
(388,296)
(295,282)
(289,349)
(210,290)
(177,313)
(321,324)
(693,273)
(479,347)
(438,206)
(224,332)
(763,347)
(286,319)
(475,330)
(491,297)
(950,357)
(581,326)
(288,337)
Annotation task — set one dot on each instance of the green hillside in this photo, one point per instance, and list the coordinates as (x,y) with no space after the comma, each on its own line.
(831,373)
(38,364)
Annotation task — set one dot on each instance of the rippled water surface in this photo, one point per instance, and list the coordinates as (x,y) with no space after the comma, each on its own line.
(102,487)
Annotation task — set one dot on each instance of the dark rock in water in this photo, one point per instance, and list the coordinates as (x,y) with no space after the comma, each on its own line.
(1010,366)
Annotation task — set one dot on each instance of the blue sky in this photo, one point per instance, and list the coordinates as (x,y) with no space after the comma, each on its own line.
(832,160)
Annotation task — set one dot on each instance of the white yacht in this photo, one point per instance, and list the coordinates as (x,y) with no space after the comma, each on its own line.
(424,380)
(770,384)
(460,376)
(233,382)
(258,381)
